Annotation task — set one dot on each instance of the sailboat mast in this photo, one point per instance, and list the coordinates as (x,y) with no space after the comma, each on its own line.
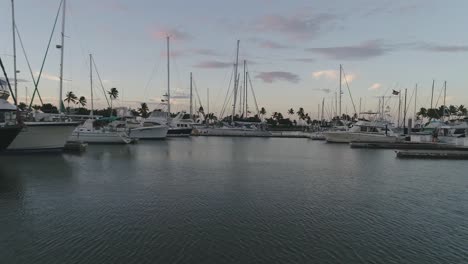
(61,55)
(339,113)
(323,104)
(191,97)
(245,89)
(235,82)
(207,105)
(415,101)
(432,94)
(445,96)
(13,27)
(404,111)
(91,83)
(399,108)
(168,81)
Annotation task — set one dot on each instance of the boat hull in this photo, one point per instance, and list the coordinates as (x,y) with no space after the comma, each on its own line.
(232,132)
(7,135)
(98,137)
(152,132)
(42,136)
(179,132)
(348,137)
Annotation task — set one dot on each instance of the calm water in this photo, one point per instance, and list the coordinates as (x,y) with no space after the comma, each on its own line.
(222,200)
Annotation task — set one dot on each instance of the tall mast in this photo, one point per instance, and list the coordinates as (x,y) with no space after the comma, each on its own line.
(91,83)
(168,81)
(207,105)
(235,82)
(191,97)
(13,29)
(245,90)
(323,105)
(415,101)
(399,108)
(432,94)
(404,111)
(336,105)
(445,95)
(339,113)
(61,55)
(360,102)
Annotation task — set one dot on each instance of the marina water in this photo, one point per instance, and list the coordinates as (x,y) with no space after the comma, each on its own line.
(232,200)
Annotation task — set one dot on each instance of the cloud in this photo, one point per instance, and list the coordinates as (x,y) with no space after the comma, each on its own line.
(213,65)
(173,53)
(333,75)
(267,44)
(327,74)
(302,59)
(443,48)
(174,33)
(325,90)
(48,76)
(364,50)
(207,52)
(270,77)
(375,87)
(298,26)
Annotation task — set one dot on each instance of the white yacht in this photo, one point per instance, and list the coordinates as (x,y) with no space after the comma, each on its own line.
(139,129)
(44,132)
(363,131)
(177,126)
(239,130)
(93,132)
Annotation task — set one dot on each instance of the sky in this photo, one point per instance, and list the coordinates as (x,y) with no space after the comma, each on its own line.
(293,50)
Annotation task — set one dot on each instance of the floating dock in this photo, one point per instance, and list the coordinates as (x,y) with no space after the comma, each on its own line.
(408,145)
(433,154)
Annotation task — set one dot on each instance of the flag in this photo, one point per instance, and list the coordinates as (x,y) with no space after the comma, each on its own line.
(395,92)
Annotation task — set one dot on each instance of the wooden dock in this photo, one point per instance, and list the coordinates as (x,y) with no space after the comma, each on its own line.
(409,146)
(432,154)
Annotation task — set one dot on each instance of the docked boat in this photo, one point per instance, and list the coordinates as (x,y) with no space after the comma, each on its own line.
(9,128)
(363,131)
(140,129)
(176,127)
(96,132)
(240,130)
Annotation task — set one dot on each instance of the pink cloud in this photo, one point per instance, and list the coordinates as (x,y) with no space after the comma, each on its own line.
(270,77)
(173,33)
(213,65)
(301,26)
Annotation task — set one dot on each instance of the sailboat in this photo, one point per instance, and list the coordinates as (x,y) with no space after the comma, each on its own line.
(140,129)
(176,126)
(39,135)
(100,131)
(236,128)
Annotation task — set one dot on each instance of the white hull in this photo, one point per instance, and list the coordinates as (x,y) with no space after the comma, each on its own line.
(348,137)
(152,132)
(42,136)
(232,132)
(100,137)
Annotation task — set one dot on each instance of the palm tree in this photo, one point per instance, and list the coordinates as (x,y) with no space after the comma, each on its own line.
(452,110)
(422,112)
(82,101)
(291,112)
(143,110)
(113,94)
(462,111)
(300,113)
(263,111)
(70,97)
